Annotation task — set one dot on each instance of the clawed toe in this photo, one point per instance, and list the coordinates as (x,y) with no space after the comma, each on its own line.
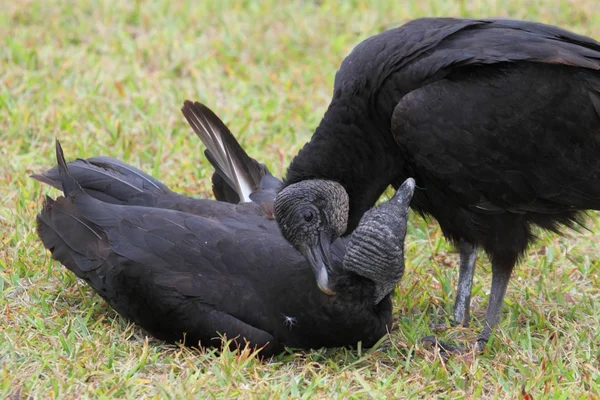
(480,345)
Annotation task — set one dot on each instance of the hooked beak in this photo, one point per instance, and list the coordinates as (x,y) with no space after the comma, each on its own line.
(318,256)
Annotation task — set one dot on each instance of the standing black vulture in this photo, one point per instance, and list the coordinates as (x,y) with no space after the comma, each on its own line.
(497,120)
(221,268)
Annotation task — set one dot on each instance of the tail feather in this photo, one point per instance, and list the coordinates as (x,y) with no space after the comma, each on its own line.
(106,179)
(147,181)
(241,172)
(50,237)
(70,186)
(222,190)
(74,242)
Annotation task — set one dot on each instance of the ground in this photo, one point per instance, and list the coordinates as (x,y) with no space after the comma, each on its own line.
(110,77)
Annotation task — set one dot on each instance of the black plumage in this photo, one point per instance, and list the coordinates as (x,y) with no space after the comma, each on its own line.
(497,120)
(113,181)
(188,270)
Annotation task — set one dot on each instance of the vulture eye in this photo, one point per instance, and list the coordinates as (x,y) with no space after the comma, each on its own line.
(308,216)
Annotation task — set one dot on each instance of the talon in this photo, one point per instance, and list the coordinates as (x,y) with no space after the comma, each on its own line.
(480,345)
(429,342)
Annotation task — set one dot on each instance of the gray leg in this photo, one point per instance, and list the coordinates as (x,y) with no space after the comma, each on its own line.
(500,277)
(462,304)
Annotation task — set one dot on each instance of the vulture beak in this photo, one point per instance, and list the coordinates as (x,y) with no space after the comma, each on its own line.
(318,256)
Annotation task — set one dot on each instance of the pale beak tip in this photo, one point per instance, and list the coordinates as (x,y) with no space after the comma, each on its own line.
(326,290)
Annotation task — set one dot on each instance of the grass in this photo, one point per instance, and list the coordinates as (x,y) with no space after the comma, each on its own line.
(110,77)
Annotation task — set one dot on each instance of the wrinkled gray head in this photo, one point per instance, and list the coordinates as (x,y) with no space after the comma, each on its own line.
(376,247)
(311,214)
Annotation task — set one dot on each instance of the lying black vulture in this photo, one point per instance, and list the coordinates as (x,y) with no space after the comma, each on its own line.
(497,120)
(190,276)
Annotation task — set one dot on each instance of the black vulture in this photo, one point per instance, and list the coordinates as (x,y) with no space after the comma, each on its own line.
(497,120)
(215,267)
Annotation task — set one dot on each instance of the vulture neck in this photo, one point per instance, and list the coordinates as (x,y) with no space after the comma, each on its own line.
(349,148)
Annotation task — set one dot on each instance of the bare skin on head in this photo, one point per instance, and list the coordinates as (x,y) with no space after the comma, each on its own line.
(376,247)
(311,215)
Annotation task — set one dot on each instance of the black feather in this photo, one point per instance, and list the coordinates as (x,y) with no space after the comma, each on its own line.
(230,161)
(192,276)
(497,120)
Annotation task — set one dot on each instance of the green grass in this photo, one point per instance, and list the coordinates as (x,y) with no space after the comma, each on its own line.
(110,77)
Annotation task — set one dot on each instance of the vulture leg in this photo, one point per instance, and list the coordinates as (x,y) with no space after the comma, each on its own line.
(462,304)
(500,277)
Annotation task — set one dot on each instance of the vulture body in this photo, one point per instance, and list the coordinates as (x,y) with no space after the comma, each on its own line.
(190,270)
(497,120)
